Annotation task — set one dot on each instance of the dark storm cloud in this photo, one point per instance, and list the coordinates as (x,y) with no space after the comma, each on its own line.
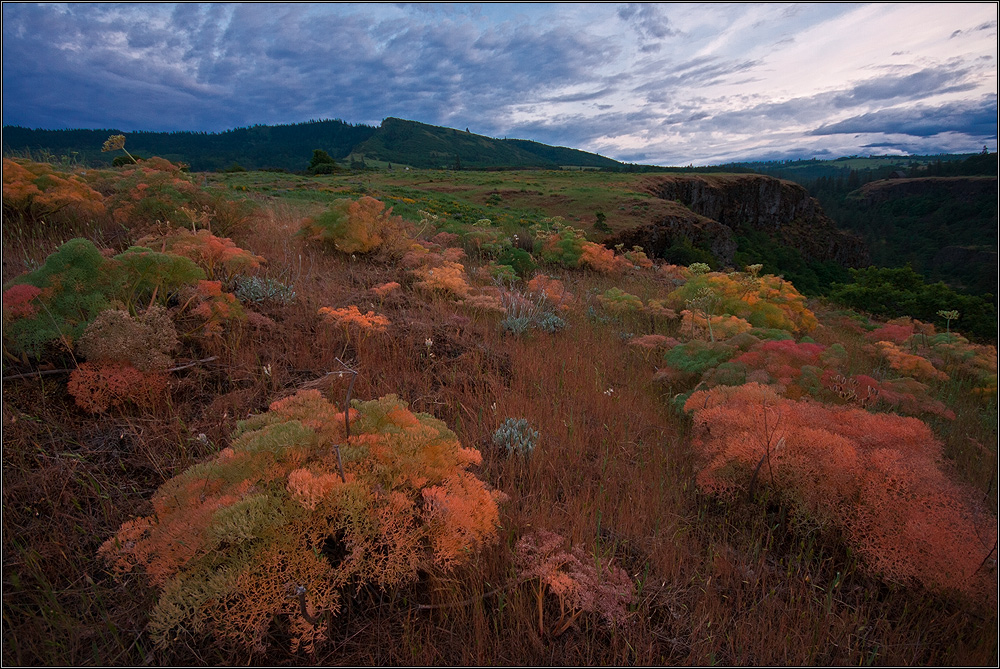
(976,119)
(231,65)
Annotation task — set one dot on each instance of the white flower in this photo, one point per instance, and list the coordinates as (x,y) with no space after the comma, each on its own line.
(428,342)
(609,392)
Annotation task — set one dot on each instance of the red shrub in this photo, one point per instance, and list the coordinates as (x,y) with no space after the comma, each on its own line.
(99,386)
(873,476)
(17,300)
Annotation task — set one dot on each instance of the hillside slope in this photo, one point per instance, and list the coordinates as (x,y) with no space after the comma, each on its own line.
(944,227)
(422,145)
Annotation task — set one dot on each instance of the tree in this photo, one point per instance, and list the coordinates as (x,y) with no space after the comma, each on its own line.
(320,160)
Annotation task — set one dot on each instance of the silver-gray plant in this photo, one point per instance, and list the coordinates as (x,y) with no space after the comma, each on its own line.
(516,436)
(256,290)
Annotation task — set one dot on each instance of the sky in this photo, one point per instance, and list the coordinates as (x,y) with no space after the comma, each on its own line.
(659,83)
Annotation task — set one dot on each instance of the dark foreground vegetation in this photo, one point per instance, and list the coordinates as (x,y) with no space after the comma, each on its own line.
(556,452)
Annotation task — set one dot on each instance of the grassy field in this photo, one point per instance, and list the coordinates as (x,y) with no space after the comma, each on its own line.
(618,472)
(510,199)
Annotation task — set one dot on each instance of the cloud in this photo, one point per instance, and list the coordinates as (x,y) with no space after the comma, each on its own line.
(916,86)
(976,120)
(647,20)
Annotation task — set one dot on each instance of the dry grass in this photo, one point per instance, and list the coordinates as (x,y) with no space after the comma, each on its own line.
(715,584)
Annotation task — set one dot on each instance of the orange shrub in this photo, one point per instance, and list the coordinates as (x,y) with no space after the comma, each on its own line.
(602,259)
(357,226)
(351,317)
(213,307)
(909,364)
(213,254)
(448,278)
(237,542)
(552,291)
(383,290)
(35,191)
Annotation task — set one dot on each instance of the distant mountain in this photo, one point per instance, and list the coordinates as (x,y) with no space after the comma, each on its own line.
(864,168)
(290,147)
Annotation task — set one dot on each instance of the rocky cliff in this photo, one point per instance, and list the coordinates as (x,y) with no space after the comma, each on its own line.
(718,206)
(961,188)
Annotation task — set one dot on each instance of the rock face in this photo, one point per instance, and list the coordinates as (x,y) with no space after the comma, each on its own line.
(721,205)
(961,188)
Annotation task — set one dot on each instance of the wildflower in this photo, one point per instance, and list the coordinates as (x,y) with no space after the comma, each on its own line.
(609,392)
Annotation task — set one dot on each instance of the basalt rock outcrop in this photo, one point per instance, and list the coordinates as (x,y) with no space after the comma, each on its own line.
(961,188)
(718,207)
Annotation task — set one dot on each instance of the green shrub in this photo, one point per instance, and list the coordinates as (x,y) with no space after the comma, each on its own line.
(77,282)
(519,260)
(895,292)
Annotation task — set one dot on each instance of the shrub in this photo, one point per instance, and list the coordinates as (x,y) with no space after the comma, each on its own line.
(766,302)
(260,290)
(33,192)
(213,307)
(562,246)
(519,260)
(385,289)
(448,278)
(145,276)
(155,190)
(602,259)
(618,301)
(322,163)
(695,357)
(551,291)
(909,364)
(145,342)
(717,327)
(516,436)
(19,301)
(901,291)
(580,582)
(216,255)
(247,537)
(873,477)
(529,312)
(350,317)
(361,226)
(97,387)
(77,282)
